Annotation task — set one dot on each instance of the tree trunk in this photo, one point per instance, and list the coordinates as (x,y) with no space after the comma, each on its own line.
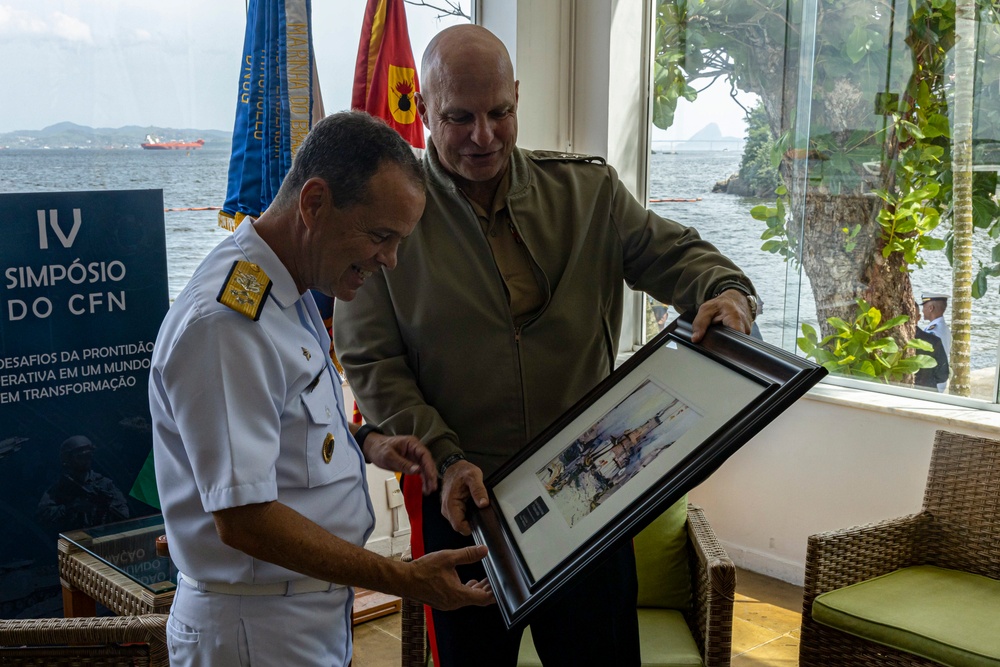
(838,276)
(961,312)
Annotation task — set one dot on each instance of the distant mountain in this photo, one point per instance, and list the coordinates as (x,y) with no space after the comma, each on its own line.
(71,135)
(65,126)
(711,132)
(708,138)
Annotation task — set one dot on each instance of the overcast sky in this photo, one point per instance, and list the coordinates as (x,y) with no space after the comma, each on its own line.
(176,63)
(172,63)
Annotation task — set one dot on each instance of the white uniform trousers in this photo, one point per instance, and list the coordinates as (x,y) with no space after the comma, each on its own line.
(217,630)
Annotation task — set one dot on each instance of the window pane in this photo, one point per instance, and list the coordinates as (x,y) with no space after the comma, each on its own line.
(856,111)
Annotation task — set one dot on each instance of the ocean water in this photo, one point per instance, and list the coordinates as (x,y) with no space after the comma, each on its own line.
(725,221)
(197,179)
(189,179)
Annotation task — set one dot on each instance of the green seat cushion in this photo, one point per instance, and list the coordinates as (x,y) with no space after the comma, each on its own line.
(943,615)
(661,560)
(664,641)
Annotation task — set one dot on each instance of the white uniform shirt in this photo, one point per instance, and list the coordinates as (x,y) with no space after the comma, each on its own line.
(939,328)
(241,411)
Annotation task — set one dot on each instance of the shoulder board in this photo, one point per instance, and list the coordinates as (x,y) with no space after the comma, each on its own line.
(246,289)
(548,156)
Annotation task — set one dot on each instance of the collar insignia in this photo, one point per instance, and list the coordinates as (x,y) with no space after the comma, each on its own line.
(246,289)
(306,354)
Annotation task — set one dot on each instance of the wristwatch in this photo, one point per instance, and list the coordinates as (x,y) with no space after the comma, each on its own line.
(448,462)
(756,305)
(363,432)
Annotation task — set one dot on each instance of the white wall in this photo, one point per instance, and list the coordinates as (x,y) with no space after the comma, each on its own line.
(837,458)
(582,86)
(391,536)
(540,40)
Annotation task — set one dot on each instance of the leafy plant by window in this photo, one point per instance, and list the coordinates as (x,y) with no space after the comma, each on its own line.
(775,237)
(864,347)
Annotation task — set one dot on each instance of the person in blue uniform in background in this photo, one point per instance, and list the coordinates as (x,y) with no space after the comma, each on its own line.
(932,378)
(932,307)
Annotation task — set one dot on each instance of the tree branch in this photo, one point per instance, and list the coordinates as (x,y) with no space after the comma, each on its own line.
(451,8)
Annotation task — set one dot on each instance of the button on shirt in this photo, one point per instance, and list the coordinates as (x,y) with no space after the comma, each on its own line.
(249,412)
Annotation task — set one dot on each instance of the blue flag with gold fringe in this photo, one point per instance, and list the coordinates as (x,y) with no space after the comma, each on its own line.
(278,99)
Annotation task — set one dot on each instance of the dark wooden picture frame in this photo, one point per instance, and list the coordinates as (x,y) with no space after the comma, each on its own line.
(658,426)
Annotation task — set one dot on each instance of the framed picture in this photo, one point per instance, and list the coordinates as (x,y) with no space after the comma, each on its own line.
(654,429)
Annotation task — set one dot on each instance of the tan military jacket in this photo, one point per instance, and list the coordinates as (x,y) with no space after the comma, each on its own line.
(430,348)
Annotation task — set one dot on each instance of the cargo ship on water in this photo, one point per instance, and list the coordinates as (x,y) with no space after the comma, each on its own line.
(154,144)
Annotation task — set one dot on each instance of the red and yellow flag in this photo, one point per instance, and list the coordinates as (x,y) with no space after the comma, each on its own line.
(385,77)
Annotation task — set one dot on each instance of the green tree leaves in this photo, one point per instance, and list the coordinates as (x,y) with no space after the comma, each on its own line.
(864,348)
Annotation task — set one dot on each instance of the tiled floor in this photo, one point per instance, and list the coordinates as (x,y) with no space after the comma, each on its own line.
(765,627)
(766,619)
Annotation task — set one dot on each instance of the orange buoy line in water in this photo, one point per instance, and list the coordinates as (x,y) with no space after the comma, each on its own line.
(195,208)
(673,199)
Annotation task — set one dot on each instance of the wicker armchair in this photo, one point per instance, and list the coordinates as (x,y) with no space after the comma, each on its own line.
(957,528)
(96,641)
(710,618)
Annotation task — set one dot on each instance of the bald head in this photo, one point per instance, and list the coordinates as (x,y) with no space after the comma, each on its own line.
(461,48)
(468,102)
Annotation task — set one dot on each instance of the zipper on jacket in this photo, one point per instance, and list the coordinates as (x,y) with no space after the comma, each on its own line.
(536,269)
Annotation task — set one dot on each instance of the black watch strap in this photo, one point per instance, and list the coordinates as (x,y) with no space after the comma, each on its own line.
(448,462)
(753,301)
(363,432)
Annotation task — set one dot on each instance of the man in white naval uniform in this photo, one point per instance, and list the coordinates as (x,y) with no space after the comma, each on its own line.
(261,482)
(932,307)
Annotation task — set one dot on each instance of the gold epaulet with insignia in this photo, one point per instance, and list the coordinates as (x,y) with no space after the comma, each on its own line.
(541,156)
(246,289)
